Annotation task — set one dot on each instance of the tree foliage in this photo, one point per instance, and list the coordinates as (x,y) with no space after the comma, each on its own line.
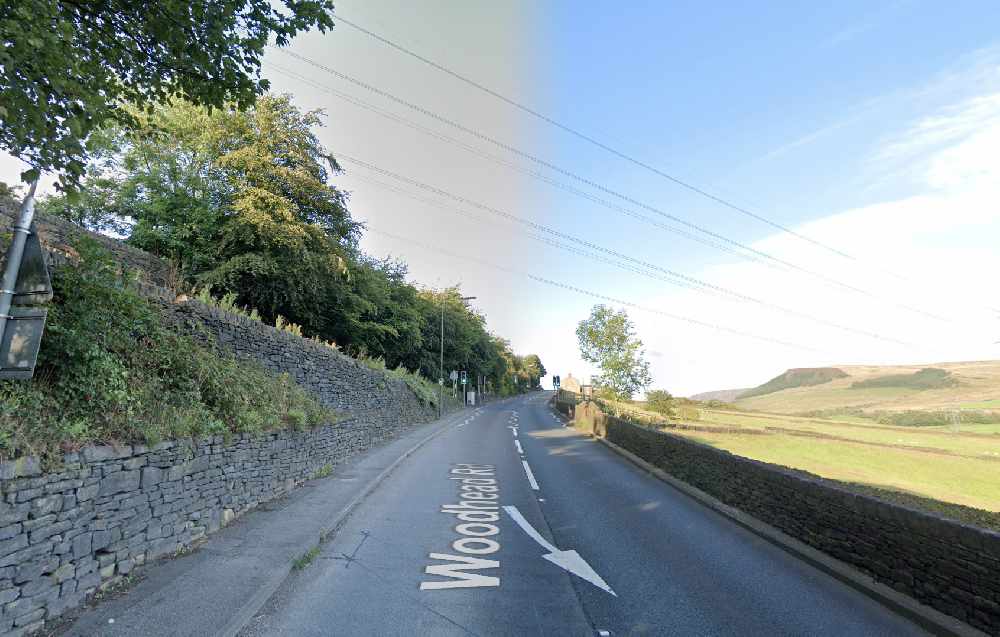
(69,67)
(607,339)
(109,371)
(241,202)
(660,401)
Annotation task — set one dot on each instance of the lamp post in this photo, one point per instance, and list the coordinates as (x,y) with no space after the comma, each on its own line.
(441,359)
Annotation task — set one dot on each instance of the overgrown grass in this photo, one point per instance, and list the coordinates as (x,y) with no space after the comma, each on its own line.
(227,303)
(424,389)
(305,559)
(110,371)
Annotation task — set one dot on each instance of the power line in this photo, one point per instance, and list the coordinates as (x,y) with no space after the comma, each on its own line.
(597,295)
(584,180)
(593,141)
(537,237)
(617,255)
(771,262)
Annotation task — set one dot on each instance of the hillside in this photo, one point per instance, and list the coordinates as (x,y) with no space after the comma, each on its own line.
(725,395)
(936,386)
(793,378)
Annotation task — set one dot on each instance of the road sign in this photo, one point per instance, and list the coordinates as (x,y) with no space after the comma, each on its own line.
(453,375)
(23,326)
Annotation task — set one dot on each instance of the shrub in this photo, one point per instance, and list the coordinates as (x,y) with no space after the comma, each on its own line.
(661,402)
(110,371)
(914,418)
(424,389)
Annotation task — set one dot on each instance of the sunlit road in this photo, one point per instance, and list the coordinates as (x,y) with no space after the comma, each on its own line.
(509,523)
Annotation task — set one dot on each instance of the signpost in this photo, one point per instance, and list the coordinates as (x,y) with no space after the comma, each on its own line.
(25,283)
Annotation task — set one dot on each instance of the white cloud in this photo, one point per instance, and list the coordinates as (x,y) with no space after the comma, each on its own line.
(934,250)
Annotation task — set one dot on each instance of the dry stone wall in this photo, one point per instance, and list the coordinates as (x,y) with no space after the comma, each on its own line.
(338,381)
(950,566)
(66,533)
(59,235)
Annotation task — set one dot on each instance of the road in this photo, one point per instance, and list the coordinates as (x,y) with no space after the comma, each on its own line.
(550,533)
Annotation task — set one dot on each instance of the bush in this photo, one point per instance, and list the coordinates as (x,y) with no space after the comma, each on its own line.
(914,418)
(661,402)
(110,371)
(424,389)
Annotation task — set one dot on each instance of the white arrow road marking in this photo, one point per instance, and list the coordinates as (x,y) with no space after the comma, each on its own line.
(517,443)
(566,560)
(531,476)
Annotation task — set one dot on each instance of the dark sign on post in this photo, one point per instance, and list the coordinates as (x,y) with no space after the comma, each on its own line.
(21,340)
(22,333)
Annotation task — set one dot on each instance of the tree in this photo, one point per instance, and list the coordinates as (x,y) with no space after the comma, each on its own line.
(238,200)
(608,340)
(534,370)
(661,402)
(68,67)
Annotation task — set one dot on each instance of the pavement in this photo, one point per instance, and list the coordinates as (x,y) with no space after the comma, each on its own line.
(508,523)
(216,589)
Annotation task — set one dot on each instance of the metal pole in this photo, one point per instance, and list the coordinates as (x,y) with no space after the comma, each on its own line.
(21,228)
(441,366)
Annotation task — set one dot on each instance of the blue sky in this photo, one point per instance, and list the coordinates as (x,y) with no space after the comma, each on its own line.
(871,127)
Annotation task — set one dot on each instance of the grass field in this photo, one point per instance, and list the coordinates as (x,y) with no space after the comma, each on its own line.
(926,467)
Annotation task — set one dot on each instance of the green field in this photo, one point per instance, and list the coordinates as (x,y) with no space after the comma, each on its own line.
(826,421)
(982,404)
(933,468)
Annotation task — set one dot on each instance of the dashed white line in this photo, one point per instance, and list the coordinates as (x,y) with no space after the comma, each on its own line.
(531,476)
(517,443)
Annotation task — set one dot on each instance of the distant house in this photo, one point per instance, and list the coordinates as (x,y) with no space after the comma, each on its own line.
(571,384)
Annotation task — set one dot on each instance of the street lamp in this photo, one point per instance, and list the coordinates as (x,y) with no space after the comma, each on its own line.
(441,363)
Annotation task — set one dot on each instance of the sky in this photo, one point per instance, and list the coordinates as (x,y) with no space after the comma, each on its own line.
(869,130)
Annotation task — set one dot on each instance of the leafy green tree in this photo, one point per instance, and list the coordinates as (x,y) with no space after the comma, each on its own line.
(607,339)
(239,200)
(661,402)
(534,370)
(9,195)
(69,67)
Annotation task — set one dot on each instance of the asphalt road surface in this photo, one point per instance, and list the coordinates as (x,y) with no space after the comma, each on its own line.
(509,523)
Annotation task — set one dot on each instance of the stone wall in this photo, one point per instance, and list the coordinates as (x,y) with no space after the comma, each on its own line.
(59,235)
(65,534)
(952,567)
(69,532)
(338,381)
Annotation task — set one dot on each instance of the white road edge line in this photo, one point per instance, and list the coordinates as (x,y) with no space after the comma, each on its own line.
(531,476)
